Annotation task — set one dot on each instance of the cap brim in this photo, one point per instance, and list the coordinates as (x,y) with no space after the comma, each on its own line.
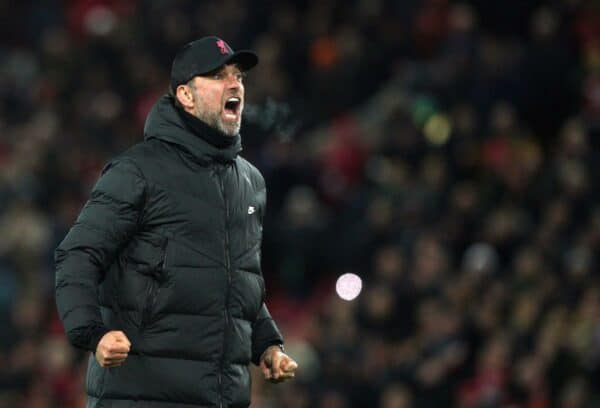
(245,59)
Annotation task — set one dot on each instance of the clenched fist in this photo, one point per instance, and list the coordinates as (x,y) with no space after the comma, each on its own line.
(112,349)
(277,366)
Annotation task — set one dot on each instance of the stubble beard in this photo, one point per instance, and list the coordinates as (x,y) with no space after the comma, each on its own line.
(214,119)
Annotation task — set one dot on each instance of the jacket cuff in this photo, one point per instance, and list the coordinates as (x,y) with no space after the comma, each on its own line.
(96,335)
(87,338)
(258,358)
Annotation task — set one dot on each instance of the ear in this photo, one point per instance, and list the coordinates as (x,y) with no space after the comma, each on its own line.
(184,94)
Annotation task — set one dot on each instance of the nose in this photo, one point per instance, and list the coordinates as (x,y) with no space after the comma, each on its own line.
(235,85)
(233,81)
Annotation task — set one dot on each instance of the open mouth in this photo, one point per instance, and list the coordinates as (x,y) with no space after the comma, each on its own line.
(232,107)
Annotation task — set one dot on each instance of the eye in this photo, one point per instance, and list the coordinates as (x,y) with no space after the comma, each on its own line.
(218,76)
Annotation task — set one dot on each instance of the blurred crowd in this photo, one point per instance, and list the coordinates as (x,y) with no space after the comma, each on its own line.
(445,152)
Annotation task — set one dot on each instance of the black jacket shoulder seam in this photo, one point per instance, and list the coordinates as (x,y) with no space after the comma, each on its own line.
(132,161)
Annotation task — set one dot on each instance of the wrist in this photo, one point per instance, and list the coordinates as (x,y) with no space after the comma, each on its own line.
(278,345)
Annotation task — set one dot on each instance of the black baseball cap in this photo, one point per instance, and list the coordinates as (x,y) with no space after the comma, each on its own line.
(205,55)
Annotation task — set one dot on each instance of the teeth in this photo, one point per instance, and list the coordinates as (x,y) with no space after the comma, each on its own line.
(233,99)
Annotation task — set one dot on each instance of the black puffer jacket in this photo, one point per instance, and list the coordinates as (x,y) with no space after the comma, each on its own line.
(167,249)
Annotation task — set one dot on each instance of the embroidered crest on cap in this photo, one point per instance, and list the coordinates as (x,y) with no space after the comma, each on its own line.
(222,47)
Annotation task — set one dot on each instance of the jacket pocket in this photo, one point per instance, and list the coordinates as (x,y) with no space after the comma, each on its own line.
(149,304)
(155,281)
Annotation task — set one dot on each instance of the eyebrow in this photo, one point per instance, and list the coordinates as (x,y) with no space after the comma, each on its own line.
(222,68)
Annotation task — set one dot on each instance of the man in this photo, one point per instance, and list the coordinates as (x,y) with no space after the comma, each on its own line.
(160,275)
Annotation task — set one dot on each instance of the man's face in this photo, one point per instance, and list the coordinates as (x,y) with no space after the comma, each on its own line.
(219,99)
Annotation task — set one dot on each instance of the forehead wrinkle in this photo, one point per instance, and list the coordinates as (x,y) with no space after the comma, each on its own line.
(234,68)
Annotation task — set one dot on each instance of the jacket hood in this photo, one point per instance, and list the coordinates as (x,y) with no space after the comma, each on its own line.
(165,123)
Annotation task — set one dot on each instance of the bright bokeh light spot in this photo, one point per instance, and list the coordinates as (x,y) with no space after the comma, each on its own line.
(437,129)
(348,286)
(100,20)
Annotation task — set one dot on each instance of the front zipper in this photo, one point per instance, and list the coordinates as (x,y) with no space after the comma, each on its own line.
(228,270)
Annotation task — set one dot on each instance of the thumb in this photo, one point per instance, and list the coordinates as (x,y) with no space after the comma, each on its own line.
(122,338)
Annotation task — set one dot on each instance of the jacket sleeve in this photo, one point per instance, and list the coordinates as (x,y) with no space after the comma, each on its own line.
(264,334)
(105,224)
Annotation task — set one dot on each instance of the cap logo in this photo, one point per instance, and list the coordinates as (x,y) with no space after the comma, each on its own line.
(222,47)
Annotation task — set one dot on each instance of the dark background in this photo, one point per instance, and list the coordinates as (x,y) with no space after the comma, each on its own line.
(446,152)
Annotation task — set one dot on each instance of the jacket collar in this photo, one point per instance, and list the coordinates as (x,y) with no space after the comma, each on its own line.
(164,122)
